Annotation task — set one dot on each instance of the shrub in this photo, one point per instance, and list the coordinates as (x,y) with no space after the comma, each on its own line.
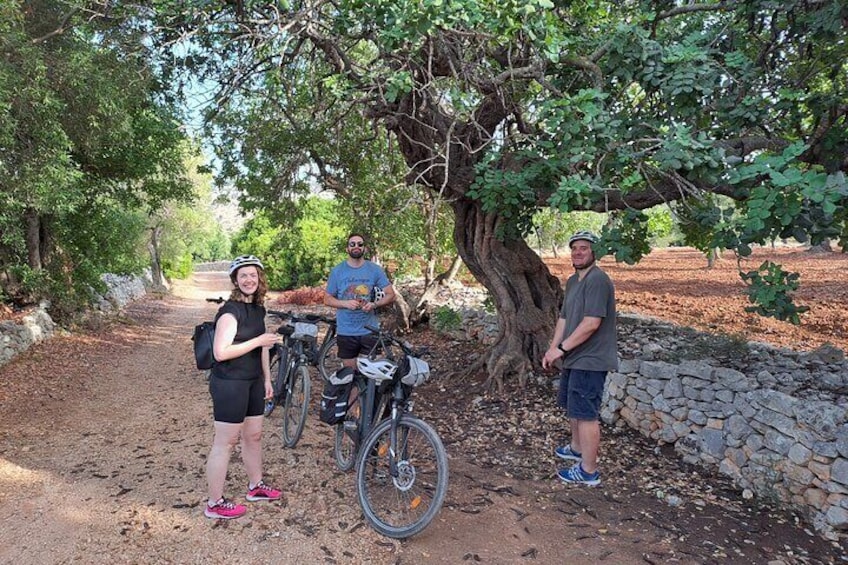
(446,319)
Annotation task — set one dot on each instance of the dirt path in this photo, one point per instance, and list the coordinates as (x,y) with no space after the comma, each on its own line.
(104,436)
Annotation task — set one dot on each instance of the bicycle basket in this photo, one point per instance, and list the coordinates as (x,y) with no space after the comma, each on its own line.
(304,330)
(415,371)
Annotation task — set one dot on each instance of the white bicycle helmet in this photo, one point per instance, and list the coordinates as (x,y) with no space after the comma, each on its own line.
(584,236)
(376,369)
(243,261)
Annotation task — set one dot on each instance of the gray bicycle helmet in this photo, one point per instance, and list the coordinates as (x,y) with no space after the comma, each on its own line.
(243,261)
(584,236)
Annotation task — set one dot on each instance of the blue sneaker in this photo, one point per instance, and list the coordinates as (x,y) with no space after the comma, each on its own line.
(567,453)
(577,476)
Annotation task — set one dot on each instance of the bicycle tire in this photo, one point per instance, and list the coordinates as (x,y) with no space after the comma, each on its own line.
(347,435)
(328,358)
(296,406)
(277,384)
(402,506)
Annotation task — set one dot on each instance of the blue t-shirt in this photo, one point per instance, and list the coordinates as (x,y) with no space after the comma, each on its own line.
(346,283)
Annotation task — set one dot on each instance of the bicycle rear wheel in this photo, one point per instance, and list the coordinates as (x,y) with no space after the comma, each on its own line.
(328,359)
(347,434)
(402,506)
(277,383)
(296,406)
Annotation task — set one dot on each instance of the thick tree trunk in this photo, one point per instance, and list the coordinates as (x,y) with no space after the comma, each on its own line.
(155,260)
(33,239)
(526,295)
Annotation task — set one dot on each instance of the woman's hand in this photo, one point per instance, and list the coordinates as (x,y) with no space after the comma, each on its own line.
(269,339)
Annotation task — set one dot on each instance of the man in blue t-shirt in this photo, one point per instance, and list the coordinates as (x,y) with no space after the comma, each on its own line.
(356,288)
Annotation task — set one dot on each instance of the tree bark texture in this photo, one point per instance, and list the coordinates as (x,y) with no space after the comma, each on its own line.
(527,296)
(33,239)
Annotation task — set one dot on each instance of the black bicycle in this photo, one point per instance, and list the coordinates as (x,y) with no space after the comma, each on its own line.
(401,463)
(290,371)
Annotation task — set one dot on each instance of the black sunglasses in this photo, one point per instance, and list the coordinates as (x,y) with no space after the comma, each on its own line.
(356,244)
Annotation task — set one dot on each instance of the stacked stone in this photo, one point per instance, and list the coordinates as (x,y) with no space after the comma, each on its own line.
(791,447)
(16,337)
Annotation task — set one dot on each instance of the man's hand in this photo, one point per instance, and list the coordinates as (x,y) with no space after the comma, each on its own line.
(551,355)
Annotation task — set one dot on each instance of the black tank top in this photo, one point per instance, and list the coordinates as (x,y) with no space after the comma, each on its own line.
(251,323)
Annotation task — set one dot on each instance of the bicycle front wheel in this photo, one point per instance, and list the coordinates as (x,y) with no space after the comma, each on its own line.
(401,506)
(297,406)
(328,359)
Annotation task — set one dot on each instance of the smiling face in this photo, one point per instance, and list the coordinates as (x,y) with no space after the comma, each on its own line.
(247,279)
(356,247)
(582,255)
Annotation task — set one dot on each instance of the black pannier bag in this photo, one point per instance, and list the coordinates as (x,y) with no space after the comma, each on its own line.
(334,397)
(203,338)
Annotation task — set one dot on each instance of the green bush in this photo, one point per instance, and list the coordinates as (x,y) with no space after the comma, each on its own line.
(180,268)
(300,253)
(446,319)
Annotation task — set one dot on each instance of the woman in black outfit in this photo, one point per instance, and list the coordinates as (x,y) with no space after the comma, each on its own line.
(239,384)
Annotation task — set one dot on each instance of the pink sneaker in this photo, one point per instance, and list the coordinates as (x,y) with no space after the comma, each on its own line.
(225,510)
(263,492)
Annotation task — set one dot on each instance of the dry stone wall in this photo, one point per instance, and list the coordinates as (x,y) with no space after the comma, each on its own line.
(16,336)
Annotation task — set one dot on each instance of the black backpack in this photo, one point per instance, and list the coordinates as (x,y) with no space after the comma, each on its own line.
(203,338)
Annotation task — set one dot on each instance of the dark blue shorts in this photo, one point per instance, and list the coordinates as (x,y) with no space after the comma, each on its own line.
(352,346)
(580,393)
(233,400)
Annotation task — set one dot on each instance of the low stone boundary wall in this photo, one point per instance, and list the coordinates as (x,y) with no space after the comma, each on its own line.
(17,336)
(773,420)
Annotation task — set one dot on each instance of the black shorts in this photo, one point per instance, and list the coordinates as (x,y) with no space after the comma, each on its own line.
(234,400)
(352,346)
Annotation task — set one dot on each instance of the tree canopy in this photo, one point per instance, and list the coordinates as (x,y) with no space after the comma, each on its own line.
(506,107)
(89,149)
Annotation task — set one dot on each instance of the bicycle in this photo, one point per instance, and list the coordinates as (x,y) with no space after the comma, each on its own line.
(289,370)
(401,464)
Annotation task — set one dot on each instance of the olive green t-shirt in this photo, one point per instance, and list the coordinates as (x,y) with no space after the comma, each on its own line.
(593,296)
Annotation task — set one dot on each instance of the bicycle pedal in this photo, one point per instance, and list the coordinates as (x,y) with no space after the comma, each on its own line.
(350,426)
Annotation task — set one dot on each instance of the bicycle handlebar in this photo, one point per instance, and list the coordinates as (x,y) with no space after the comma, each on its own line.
(218,300)
(408,349)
